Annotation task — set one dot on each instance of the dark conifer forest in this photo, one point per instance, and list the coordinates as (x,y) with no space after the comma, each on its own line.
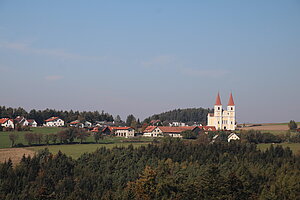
(183,115)
(170,169)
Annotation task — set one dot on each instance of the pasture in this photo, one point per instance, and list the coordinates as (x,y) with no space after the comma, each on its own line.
(6,143)
(295,147)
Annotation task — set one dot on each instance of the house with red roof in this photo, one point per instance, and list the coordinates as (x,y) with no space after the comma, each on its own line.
(152,131)
(21,120)
(124,131)
(54,121)
(32,123)
(6,122)
(172,131)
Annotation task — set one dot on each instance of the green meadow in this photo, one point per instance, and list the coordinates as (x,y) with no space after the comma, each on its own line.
(5,142)
(295,147)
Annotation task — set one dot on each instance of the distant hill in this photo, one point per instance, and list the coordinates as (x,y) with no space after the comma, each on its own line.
(183,115)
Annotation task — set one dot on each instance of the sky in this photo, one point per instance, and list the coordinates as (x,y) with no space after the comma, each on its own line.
(147,57)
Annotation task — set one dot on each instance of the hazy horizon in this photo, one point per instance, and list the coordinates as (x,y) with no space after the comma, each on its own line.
(144,58)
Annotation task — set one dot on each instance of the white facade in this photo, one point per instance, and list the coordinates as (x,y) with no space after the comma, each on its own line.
(156,132)
(33,124)
(222,119)
(54,122)
(127,133)
(233,136)
(177,124)
(8,123)
(175,135)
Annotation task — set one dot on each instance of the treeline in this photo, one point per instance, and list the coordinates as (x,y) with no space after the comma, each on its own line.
(183,115)
(67,116)
(65,136)
(172,169)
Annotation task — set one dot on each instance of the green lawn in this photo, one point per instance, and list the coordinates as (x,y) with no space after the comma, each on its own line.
(76,150)
(5,142)
(295,147)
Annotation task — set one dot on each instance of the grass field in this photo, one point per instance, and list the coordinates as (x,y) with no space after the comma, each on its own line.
(5,142)
(76,150)
(295,147)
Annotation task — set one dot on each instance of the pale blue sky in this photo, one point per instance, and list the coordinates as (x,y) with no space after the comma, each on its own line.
(146,57)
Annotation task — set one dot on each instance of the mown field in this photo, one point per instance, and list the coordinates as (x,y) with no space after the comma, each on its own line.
(295,147)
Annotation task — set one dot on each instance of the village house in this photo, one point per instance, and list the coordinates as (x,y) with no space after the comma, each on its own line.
(174,131)
(54,121)
(126,132)
(6,122)
(21,120)
(152,131)
(177,124)
(233,136)
(76,124)
(32,123)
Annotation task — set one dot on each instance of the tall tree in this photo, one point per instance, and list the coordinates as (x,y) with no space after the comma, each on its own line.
(130,119)
(13,137)
(292,125)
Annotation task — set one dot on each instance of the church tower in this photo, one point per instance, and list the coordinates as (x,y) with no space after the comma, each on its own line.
(231,113)
(218,112)
(222,119)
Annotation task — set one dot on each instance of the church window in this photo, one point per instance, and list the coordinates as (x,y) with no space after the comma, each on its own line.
(218,108)
(231,108)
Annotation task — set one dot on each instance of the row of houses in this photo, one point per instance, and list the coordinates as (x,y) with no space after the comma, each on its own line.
(10,123)
(152,131)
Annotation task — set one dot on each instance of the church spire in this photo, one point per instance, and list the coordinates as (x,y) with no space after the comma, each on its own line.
(230,102)
(218,100)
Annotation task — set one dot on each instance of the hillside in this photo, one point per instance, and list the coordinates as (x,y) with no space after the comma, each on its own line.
(183,115)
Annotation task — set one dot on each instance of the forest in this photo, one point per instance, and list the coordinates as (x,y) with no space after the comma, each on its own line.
(166,169)
(188,115)
(41,115)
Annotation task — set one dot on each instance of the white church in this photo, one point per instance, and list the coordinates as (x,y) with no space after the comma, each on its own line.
(222,119)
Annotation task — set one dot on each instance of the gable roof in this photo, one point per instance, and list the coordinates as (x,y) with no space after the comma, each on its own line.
(3,120)
(176,129)
(113,128)
(208,128)
(51,119)
(149,129)
(19,119)
(74,122)
(31,120)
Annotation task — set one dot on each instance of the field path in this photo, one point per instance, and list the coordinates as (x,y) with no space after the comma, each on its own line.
(15,154)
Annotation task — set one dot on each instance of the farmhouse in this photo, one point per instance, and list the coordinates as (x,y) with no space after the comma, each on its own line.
(152,131)
(222,119)
(233,136)
(54,121)
(6,122)
(119,131)
(172,131)
(21,120)
(32,123)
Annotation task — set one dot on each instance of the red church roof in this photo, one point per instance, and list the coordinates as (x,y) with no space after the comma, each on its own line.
(230,102)
(218,100)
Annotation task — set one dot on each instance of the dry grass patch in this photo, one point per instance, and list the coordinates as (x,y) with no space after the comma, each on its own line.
(15,154)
